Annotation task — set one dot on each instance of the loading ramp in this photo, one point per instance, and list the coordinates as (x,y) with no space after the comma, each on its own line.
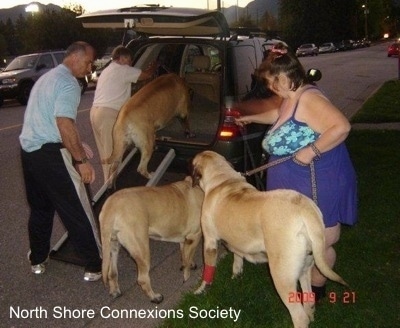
(126,177)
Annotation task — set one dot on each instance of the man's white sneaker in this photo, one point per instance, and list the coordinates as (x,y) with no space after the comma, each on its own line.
(38,268)
(92,276)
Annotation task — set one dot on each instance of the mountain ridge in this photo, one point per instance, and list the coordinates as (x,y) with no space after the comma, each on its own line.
(255,9)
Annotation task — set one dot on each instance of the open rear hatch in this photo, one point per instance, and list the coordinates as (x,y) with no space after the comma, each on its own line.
(161,21)
(190,56)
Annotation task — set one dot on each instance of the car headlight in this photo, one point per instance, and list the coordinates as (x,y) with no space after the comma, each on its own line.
(11,80)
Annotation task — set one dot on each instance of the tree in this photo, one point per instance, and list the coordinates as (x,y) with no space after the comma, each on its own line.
(54,29)
(268,22)
(8,31)
(318,21)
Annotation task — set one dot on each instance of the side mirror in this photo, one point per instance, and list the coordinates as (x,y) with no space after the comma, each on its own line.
(314,74)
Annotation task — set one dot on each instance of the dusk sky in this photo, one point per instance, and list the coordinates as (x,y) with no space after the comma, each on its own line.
(94,5)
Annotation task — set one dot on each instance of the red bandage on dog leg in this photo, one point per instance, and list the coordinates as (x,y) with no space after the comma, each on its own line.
(208,274)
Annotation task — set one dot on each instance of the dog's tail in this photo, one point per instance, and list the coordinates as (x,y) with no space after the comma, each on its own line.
(119,137)
(119,147)
(316,234)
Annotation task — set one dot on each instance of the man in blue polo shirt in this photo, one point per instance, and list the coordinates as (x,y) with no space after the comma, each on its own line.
(55,165)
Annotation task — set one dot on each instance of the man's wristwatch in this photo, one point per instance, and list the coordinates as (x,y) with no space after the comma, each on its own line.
(82,161)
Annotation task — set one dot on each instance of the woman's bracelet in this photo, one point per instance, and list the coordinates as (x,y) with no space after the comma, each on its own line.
(316,151)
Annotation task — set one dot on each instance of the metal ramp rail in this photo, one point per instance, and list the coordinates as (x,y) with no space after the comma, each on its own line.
(63,250)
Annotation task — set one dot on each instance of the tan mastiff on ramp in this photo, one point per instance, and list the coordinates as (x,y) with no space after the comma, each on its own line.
(282,227)
(149,110)
(131,216)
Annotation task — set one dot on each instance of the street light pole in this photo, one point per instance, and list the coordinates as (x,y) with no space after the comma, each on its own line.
(366,12)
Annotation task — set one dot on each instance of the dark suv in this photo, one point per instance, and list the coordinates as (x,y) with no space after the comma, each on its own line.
(217,65)
(18,78)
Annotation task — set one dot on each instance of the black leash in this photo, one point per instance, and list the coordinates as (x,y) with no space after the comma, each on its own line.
(260,185)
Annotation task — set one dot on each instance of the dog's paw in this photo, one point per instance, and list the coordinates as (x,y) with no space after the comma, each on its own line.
(116,294)
(146,174)
(157,299)
(237,275)
(202,289)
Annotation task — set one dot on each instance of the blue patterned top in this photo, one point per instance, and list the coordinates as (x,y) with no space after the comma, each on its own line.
(288,138)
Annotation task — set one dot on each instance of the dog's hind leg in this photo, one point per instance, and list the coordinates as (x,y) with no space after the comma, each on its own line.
(138,245)
(285,273)
(146,148)
(113,268)
(305,283)
(188,248)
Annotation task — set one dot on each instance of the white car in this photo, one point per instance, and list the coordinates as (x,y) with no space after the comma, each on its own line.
(327,47)
(307,49)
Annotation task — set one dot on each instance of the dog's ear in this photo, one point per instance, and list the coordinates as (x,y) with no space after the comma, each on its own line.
(196,176)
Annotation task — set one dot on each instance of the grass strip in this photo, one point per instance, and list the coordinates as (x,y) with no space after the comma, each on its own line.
(382,107)
(368,259)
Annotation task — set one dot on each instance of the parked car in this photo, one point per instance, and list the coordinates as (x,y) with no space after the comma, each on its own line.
(218,66)
(362,43)
(18,78)
(99,65)
(366,42)
(327,47)
(345,45)
(307,49)
(393,49)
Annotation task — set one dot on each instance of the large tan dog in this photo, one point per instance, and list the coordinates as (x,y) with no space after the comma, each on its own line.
(131,216)
(282,227)
(148,110)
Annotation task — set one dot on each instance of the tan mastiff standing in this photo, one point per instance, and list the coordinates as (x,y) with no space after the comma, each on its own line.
(130,217)
(149,110)
(282,227)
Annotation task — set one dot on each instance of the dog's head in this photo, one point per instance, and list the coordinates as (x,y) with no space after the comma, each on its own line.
(201,161)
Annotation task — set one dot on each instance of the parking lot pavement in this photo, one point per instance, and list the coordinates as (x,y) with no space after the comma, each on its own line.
(61,298)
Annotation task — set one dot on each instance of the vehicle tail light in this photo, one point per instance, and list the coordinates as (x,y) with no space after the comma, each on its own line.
(229,128)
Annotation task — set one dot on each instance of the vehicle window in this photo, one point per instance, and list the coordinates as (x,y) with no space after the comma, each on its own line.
(59,57)
(193,50)
(245,61)
(169,58)
(201,50)
(24,62)
(213,53)
(45,61)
